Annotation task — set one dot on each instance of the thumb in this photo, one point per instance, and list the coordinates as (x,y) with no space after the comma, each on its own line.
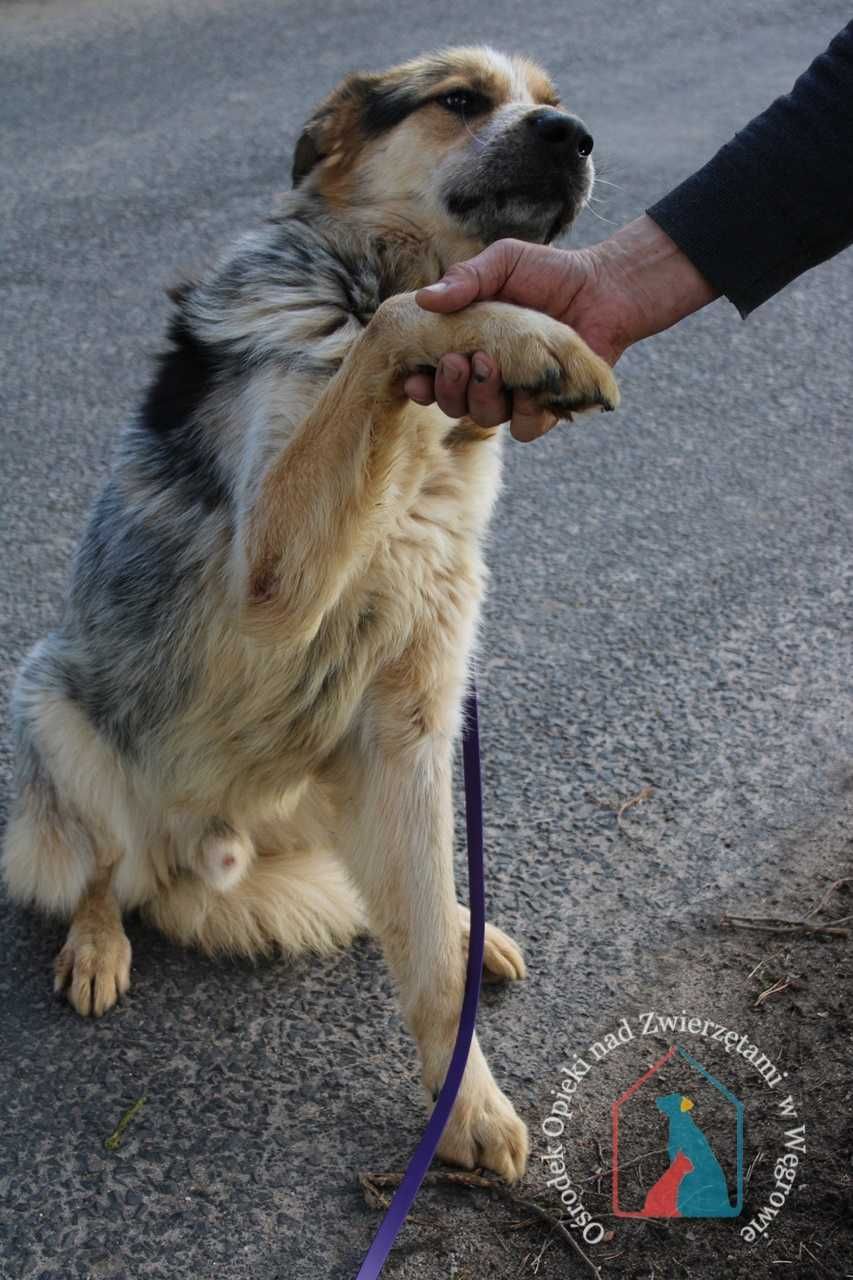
(465,282)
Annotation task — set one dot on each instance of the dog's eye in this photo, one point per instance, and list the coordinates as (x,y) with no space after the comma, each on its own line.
(462,102)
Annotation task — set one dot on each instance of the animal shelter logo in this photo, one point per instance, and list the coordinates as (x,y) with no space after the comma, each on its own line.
(677,1127)
(698,1182)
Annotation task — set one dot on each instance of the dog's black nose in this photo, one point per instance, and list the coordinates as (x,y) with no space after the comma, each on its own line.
(559,129)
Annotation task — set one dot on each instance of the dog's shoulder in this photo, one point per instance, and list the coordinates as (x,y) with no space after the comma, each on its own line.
(286,301)
(302,283)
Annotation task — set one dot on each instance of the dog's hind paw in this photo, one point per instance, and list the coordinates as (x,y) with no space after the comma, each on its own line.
(93,969)
(502,960)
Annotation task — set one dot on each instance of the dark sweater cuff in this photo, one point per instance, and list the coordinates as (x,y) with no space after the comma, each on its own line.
(727,236)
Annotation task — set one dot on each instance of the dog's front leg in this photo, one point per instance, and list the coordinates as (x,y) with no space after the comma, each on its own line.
(398,847)
(317,510)
(314,515)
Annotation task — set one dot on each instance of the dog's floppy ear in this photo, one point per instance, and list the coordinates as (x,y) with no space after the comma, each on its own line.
(306,155)
(336,127)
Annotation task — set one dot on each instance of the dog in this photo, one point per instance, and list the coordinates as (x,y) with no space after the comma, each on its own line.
(244,724)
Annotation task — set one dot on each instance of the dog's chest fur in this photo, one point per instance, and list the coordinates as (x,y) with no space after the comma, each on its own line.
(407,621)
(259,338)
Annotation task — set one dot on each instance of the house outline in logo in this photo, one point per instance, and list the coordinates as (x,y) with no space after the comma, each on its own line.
(709,1195)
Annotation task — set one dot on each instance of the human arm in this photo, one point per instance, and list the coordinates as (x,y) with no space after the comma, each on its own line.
(778,198)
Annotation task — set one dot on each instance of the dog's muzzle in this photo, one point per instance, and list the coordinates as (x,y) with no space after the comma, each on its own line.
(529,180)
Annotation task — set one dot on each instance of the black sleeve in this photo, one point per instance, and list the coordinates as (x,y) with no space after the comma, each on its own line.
(778,198)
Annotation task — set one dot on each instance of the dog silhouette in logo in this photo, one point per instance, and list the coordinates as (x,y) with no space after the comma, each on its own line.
(694,1185)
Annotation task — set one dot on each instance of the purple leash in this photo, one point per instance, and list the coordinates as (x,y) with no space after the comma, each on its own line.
(422,1159)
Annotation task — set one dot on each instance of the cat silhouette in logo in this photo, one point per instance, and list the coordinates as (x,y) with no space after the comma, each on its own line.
(662,1199)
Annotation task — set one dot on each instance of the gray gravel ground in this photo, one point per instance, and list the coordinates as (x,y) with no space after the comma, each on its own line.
(671,608)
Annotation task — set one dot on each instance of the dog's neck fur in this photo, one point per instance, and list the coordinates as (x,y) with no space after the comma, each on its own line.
(295,288)
(408,248)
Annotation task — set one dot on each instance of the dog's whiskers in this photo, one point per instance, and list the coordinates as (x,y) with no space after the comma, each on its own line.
(609,221)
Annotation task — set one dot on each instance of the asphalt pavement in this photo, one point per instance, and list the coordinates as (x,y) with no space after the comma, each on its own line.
(670,622)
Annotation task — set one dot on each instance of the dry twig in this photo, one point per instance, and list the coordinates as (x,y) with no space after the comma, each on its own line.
(113,1142)
(836,884)
(755,1160)
(645,793)
(776,924)
(624,1164)
(781,984)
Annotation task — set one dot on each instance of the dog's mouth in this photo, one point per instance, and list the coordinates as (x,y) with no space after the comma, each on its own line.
(530,212)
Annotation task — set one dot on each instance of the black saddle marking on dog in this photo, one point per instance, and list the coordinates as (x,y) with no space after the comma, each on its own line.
(176,450)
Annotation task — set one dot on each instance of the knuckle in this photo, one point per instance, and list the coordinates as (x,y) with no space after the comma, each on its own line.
(462,271)
(508,247)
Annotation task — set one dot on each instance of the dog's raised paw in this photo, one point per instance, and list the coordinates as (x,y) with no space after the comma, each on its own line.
(576,382)
(541,357)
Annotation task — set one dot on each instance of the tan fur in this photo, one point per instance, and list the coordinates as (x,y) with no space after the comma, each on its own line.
(339,624)
(95,961)
(395,174)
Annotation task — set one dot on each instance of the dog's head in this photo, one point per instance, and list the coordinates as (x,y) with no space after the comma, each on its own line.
(463,142)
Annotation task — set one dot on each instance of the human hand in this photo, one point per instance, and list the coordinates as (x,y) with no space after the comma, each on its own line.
(630,286)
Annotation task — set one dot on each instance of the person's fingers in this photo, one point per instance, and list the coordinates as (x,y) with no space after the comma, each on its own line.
(481,277)
(479,394)
(488,402)
(420,387)
(451,385)
(529,422)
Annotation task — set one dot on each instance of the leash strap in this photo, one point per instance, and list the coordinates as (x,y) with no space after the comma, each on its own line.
(420,1162)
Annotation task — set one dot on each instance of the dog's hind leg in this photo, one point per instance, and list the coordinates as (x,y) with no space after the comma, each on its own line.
(94,965)
(291,902)
(55,857)
(294,896)
(53,861)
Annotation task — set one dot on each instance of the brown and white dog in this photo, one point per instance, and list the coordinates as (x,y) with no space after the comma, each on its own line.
(244,724)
